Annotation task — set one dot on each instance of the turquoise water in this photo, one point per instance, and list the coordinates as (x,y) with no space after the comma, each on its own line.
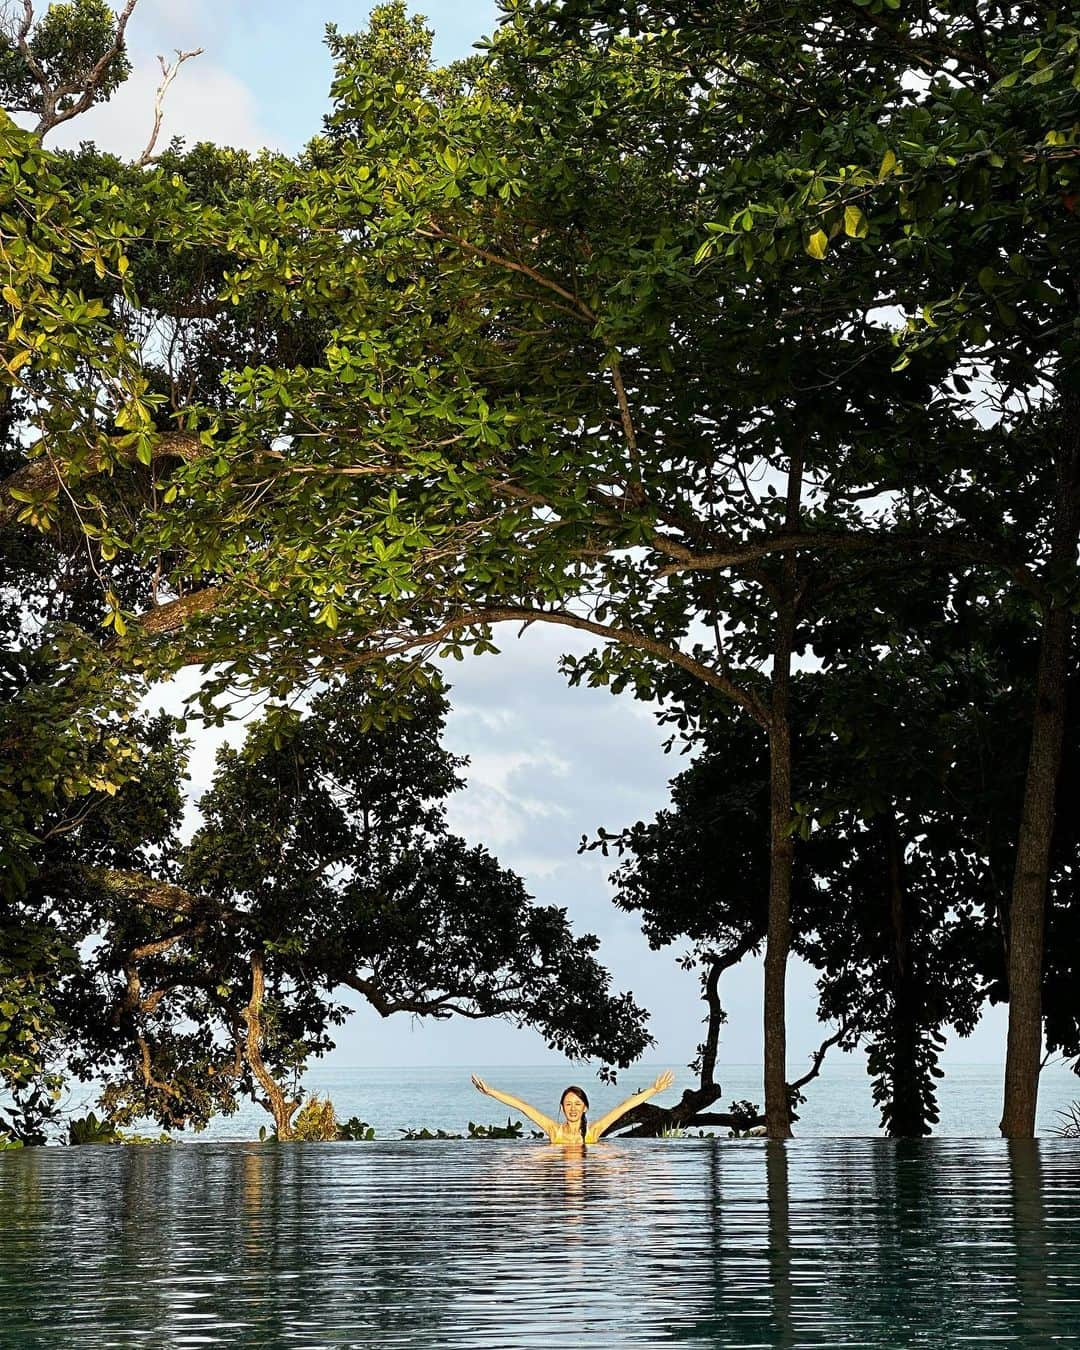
(696,1243)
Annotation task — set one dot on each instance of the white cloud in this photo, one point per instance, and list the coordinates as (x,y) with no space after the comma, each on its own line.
(204,103)
(498,769)
(505,798)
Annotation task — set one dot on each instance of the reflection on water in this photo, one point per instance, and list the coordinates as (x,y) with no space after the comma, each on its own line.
(744,1244)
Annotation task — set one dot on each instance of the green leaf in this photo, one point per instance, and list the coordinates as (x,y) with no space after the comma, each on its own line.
(818,244)
(856,226)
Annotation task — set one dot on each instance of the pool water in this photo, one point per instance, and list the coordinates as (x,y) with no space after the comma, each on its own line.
(697,1243)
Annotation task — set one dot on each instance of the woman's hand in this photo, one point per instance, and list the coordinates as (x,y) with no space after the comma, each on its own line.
(481,1086)
(663,1082)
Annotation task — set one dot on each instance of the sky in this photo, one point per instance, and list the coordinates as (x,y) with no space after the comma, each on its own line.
(547,763)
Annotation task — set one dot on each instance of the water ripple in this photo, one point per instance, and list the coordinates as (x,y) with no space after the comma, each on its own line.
(847,1242)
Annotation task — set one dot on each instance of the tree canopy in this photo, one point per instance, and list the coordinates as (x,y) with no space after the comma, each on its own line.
(198,972)
(675,324)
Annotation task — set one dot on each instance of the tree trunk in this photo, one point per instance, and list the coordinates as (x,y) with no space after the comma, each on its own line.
(279,1106)
(778,940)
(906,1118)
(1027,911)
(782,844)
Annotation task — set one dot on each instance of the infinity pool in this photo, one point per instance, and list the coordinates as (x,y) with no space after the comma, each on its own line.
(698,1243)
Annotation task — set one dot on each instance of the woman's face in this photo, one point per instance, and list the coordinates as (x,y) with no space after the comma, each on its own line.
(573,1108)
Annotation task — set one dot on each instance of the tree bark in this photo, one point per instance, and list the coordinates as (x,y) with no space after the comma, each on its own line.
(778,940)
(782,844)
(1027,911)
(279,1106)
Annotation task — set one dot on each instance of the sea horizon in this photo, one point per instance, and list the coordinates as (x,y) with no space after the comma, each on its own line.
(400,1098)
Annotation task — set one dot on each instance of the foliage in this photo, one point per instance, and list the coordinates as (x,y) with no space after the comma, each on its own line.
(511,1130)
(1069,1127)
(356,1129)
(537,339)
(63,49)
(909,769)
(89,1130)
(316,1122)
(746,1115)
(207,970)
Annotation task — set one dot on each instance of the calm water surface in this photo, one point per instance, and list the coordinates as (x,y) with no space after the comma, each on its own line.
(699,1243)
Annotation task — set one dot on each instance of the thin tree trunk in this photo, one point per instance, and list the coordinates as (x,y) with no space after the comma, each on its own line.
(778,940)
(1027,911)
(280,1106)
(906,1120)
(782,844)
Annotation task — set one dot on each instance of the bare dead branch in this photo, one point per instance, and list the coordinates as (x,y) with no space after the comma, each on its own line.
(168,74)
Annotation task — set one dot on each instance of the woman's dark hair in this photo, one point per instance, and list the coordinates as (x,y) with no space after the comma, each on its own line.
(580,1092)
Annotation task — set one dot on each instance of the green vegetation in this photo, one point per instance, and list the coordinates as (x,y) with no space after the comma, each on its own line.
(89,1130)
(315,1122)
(740,337)
(511,1130)
(197,973)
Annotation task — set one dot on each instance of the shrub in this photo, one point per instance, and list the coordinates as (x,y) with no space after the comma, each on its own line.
(315,1122)
(355,1128)
(745,1113)
(511,1130)
(90,1130)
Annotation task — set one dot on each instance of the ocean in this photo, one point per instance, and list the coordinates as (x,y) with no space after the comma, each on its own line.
(838,1104)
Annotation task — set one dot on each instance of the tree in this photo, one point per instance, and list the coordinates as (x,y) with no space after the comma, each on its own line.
(951,179)
(909,774)
(519,417)
(73,58)
(529,402)
(323,862)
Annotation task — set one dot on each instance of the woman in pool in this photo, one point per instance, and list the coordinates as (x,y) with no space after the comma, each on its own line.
(574,1128)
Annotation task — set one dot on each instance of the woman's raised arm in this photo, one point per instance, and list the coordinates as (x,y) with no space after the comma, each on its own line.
(663,1082)
(549,1126)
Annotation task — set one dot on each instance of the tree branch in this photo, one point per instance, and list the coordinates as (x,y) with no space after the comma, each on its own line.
(88,87)
(168,74)
(40,474)
(581,310)
(281,1107)
(139,889)
(818,1058)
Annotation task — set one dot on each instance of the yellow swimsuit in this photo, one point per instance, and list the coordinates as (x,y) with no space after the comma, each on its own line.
(566,1136)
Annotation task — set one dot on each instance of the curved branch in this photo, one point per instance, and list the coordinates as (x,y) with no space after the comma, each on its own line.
(88,87)
(281,1107)
(386,1006)
(717,965)
(818,1058)
(945,545)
